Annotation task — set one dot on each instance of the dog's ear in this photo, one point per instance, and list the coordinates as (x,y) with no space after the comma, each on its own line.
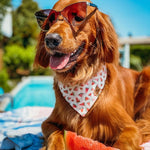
(107,39)
(41,57)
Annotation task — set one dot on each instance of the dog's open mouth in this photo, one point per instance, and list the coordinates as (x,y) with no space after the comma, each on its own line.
(60,60)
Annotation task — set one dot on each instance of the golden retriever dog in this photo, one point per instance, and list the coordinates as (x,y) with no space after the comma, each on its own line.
(95,96)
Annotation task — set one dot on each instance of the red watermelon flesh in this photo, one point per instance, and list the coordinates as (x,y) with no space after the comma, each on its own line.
(75,142)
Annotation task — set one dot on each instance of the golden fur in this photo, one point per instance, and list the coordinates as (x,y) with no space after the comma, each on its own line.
(121,115)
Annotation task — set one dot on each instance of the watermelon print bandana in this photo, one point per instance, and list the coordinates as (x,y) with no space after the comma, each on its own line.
(82,97)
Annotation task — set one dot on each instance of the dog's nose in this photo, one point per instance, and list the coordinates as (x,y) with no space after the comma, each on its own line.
(53,40)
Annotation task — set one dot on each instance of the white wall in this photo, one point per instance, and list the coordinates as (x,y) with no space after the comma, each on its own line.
(7,23)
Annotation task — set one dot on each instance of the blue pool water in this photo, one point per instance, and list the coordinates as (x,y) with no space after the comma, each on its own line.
(34,93)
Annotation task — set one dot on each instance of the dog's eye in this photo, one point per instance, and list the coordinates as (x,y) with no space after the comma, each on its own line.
(77,18)
(52,17)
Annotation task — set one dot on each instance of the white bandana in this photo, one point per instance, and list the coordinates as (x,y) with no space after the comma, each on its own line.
(82,97)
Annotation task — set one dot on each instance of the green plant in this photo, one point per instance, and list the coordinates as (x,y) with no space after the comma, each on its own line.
(139,56)
(4,80)
(136,62)
(42,71)
(19,62)
(25,28)
(18,58)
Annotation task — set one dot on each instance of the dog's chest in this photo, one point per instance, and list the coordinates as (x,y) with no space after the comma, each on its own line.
(92,128)
(81,97)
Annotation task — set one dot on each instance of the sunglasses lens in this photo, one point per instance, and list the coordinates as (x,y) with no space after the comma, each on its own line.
(52,17)
(46,18)
(75,13)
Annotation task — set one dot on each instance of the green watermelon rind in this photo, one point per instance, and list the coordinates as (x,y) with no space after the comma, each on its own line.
(65,133)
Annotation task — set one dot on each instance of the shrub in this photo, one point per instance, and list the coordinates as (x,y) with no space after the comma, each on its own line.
(140,56)
(4,80)
(19,62)
(17,58)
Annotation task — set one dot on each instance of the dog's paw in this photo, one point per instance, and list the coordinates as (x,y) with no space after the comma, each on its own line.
(43,148)
(56,142)
(129,139)
(126,146)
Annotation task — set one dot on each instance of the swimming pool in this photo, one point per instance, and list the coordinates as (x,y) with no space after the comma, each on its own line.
(33,91)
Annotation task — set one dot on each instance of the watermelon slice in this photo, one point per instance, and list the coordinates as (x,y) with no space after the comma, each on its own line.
(75,142)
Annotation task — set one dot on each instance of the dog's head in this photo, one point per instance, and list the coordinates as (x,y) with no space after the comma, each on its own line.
(75,37)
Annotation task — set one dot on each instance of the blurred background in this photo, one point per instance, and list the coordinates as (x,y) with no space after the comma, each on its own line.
(19,33)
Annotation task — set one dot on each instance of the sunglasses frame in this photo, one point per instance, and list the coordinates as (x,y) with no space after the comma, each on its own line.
(59,13)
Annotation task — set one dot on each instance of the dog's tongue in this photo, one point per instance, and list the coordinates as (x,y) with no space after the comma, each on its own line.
(59,62)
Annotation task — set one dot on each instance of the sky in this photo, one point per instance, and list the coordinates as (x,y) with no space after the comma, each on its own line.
(129,17)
